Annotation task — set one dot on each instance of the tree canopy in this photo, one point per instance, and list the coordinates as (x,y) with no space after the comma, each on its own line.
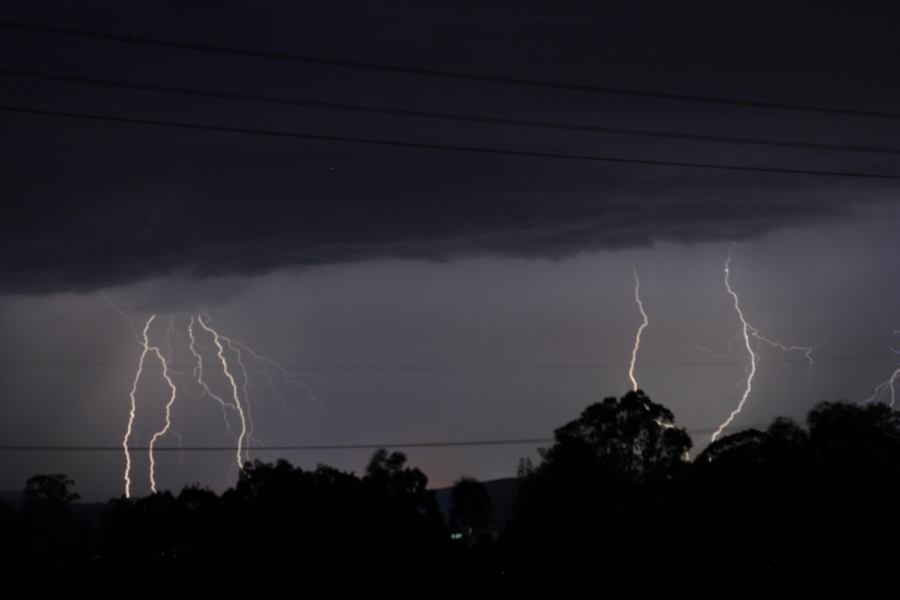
(615,505)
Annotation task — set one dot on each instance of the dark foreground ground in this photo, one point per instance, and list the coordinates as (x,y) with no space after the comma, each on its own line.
(614,508)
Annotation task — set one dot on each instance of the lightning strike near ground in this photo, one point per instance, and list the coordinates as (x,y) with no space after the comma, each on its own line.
(748,331)
(234,390)
(245,387)
(147,348)
(886,390)
(745,333)
(637,338)
(131,416)
(198,376)
(168,415)
(231,356)
(637,345)
(238,348)
(245,390)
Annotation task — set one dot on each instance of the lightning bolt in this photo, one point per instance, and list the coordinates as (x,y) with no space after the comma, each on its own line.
(748,331)
(637,337)
(147,348)
(137,377)
(245,392)
(239,348)
(745,333)
(234,388)
(116,308)
(716,355)
(240,394)
(169,331)
(807,352)
(168,413)
(886,388)
(284,372)
(637,345)
(198,376)
(245,388)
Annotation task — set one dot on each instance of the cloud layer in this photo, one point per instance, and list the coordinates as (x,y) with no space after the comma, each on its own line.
(97,204)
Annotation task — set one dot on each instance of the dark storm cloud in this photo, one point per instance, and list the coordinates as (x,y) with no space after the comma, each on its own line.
(94,204)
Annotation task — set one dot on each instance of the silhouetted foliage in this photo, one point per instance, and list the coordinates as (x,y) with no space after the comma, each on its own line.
(594,499)
(525,467)
(470,510)
(50,533)
(49,491)
(632,438)
(809,512)
(615,506)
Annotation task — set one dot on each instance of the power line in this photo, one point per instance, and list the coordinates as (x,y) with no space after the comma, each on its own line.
(306,447)
(76,363)
(51,448)
(443,147)
(438,115)
(437,73)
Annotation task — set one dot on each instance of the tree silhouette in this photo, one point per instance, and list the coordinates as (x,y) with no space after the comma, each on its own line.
(470,510)
(524,468)
(51,533)
(615,507)
(632,437)
(596,498)
(389,473)
(51,491)
(809,512)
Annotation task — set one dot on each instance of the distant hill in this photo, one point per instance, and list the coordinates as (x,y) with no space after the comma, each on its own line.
(503,496)
(92,510)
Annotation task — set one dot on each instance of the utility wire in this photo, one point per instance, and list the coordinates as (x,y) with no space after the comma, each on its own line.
(437,115)
(51,448)
(436,73)
(442,147)
(445,367)
(309,447)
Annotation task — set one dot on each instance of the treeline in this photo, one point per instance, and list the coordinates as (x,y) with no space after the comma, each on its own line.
(615,507)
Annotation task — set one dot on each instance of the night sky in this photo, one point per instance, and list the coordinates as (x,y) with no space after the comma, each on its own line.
(436,295)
